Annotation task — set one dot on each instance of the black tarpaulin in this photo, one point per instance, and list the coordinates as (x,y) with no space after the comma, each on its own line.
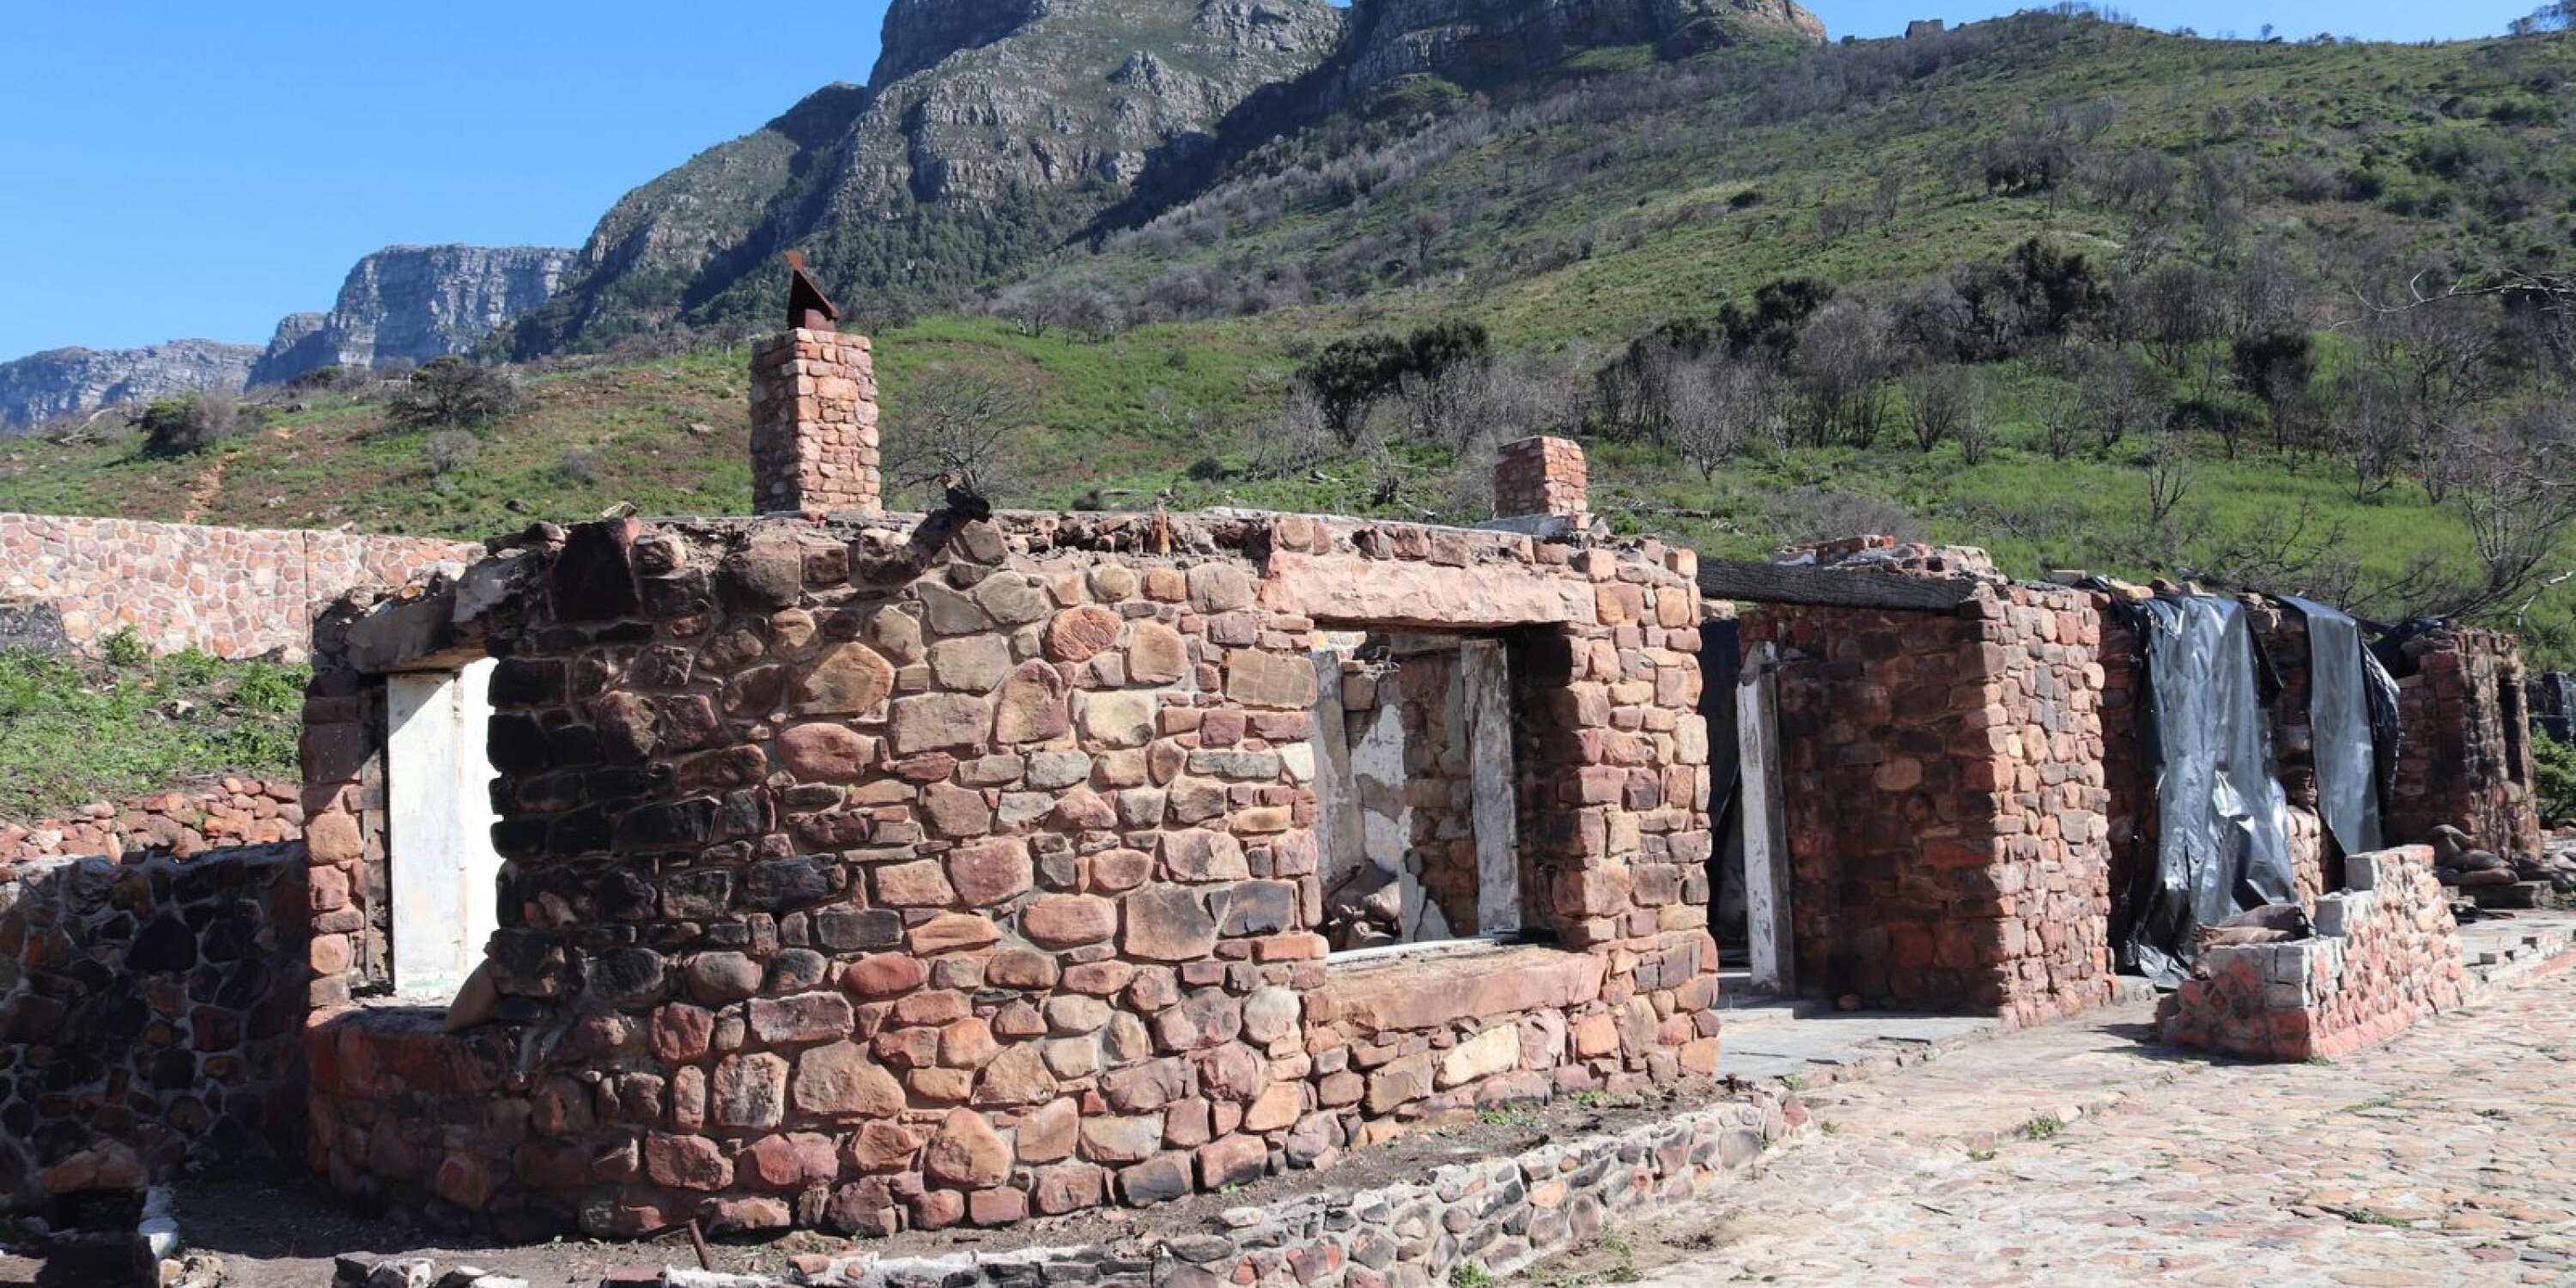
(2222,834)
(2352,710)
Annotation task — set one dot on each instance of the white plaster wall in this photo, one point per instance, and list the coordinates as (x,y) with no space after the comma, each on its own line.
(444,874)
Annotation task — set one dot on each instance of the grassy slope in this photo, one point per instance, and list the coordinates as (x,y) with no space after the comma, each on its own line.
(75,732)
(1174,406)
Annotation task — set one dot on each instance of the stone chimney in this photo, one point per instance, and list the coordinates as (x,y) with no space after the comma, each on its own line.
(814,424)
(1543,476)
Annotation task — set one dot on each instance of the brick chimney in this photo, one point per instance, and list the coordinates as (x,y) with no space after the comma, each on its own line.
(814,424)
(1543,476)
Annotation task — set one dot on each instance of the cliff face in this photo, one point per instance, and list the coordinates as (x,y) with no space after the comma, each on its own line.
(74,382)
(412,304)
(1470,40)
(990,130)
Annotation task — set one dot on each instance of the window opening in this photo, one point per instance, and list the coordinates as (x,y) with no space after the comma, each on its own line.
(443,874)
(1416,790)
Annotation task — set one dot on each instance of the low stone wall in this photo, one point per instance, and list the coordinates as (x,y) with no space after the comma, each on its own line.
(1500,1216)
(148,1015)
(231,592)
(2386,954)
(235,812)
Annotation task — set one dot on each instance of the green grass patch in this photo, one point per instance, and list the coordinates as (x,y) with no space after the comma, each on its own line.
(75,731)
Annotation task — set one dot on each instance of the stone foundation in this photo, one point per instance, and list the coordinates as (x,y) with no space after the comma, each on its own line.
(856,885)
(2386,954)
(229,592)
(148,1018)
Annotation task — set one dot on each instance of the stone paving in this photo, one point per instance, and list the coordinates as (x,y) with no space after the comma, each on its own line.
(2082,1154)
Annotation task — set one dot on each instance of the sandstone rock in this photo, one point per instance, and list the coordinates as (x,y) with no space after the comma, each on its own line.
(1032,706)
(1496,1050)
(826,753)
(1203,856)
(1083,633)
(949,932)
(1113,720)
(1157,654)
(849,678)
(990,871)
(1167,924)
(939,721)
(749,1091)
(1068,920)
(971,663)
(1048,1133)
(1258,678)
(967,1152)
(1016,1076)
(843,1081)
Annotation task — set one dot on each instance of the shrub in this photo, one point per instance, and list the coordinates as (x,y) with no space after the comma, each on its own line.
(181,426)
(448,451)
(453,393)
(2556,762)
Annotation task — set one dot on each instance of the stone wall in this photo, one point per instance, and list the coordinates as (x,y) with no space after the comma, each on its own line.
(1946,801)
(2466,755)
(868,881)
(235,812)
(814,424)
(231,592)
(1537,476)
(1500,1215)
(2386,953)
(148,1017)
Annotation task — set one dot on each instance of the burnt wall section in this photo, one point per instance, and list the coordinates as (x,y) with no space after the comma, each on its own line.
(857,884)
(230,592)
(2465,759)
(2386,953)
(149,1016)
(225,815)
(1947,801)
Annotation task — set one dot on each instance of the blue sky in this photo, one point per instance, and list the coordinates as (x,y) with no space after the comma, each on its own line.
(190,169)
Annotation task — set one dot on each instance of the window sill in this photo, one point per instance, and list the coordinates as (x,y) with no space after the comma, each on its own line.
(1427,986)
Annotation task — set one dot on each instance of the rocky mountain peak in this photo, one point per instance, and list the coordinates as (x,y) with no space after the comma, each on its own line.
(1472,40)
(410,304)
(74,382)
(921,33)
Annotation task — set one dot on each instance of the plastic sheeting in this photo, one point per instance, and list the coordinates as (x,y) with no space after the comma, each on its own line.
(2222,838)
(2352,716)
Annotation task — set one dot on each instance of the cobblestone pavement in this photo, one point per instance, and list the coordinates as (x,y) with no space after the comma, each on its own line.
(2079,1154)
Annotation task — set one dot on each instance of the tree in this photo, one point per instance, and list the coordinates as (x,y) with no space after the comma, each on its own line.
(2276,366)
(1350,376)
(1714,405)
(2119,394)
(1844,358)
(959,428)
(183,426)
(1940,403)
(453,393)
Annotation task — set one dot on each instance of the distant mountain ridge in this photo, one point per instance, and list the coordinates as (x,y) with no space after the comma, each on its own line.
(75,381)
(401,305)
(410,304)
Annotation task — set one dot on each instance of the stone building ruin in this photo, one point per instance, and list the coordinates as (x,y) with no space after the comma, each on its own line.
(870,872)
(874,873)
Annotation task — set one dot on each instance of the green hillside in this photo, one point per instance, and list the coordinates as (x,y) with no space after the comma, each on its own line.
(2182,377)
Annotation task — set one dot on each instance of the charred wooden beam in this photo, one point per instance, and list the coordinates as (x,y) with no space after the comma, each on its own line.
(1764,583)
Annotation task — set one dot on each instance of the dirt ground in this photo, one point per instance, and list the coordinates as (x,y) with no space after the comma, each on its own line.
(276,1229)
